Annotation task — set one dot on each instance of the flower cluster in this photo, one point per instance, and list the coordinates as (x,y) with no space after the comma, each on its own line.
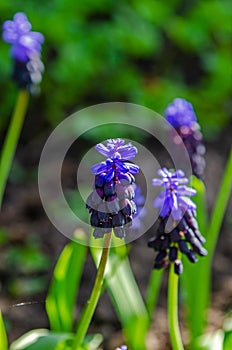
(174,203)
(111,203)
(180,114)
(25,50)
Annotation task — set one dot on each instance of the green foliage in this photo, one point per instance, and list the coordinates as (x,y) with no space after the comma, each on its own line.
(27,285)
(142,52)
(153,291)
(24,261)
(61,298)
(227,345)
(221,339)
(219,207)
(39,339)
(126,297)
(3,236)
(3,336)
(198,286)
(42,339)
(145,52)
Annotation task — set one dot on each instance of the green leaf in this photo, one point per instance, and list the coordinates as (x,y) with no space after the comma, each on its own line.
(196,299)
(92,341)
(220,207)
(211,341)
(3,336)
(64,287)
(153,290)
(227,344)
(42,339)
(126,297)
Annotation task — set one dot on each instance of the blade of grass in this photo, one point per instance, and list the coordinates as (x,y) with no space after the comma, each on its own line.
(3,336)
(62,294)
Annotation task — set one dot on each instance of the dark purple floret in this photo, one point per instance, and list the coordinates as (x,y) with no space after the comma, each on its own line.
(26,47)
(180,114)
(178,267)
(175,205)
(112,197)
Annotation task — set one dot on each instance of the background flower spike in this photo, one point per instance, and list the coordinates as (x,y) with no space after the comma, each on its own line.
(180,114)
(175,204)
(26,47)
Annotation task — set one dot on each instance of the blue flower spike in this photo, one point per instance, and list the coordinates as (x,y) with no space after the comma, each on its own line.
(180,114)
(174,202)
(26,47)
(111,203)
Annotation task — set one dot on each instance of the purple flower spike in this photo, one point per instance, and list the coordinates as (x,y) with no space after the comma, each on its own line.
(115,149)
(26,47)
(117,154)
(24,42)
(175,204)
(174,198)
(180,114)
(111,203)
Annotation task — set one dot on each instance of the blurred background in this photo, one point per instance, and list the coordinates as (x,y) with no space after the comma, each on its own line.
(144,52)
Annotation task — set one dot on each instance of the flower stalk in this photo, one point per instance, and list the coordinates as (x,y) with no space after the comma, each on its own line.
(11,140)
(173,322)
(87,315)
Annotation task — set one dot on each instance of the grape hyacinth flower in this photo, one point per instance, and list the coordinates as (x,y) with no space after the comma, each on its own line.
(25,50)
(141,212)
(111,203)
(174,202)
(122,347)
(180,114)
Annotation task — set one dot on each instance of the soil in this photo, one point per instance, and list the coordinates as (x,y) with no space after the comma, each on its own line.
(23,215)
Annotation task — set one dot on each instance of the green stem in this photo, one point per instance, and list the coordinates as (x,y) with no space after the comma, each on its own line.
(11,140)
(173,322)
(87,315)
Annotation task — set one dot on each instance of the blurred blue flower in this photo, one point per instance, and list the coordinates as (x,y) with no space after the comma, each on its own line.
(180,114)
(24,42)
(25,50)
(141,211)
